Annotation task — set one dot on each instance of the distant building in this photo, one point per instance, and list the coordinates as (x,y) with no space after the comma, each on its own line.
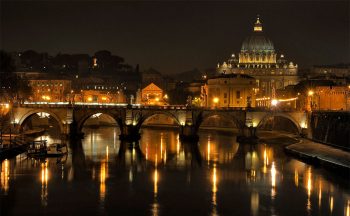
(153,95)
(259,59)
(229,90)
(339,70)
(97,90)
(330,98)
(50,90)
(31,75)
(99,96)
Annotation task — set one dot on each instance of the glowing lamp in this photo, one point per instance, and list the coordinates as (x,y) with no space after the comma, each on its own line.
(216,100)
(274,102)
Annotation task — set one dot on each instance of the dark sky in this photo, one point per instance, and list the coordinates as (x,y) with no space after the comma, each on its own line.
(176,36)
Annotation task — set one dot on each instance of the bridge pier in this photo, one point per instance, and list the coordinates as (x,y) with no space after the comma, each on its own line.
(248,135)
(188,133)
(130,133)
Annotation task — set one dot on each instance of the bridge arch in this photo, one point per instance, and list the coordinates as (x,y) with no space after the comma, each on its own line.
(283,115)
(30,113)
(85,117)
(202,117)
(145,117)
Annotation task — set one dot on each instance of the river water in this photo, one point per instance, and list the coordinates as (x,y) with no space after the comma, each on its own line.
(162,176)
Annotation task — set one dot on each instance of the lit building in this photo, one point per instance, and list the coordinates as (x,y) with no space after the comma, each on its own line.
(229,90)
(339,70)
(330,98)
(152,95)
(50,90)
(259,59)
(99,96)
(97,90)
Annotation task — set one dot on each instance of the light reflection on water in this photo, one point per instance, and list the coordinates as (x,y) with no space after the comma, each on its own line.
(163,176)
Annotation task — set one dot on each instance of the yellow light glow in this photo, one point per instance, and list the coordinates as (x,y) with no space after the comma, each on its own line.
(216,100)
(89,98)
(5,175)
(288,99)
(155,187)
(104,98)
(309,182)
(296,178)
(208,150)
(44,181)
(273,175)
(310,93)
(331,204)
(274,102)
(262,99)
(157,99)
(214,179)
(103,176)
(320,194)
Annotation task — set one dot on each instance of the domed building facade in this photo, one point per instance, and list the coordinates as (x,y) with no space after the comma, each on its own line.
(259,59)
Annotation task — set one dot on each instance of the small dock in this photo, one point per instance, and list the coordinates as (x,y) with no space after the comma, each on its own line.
(12,145)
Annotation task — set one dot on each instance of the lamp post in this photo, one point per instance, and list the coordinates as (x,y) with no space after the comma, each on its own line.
(215,101)
(310,95)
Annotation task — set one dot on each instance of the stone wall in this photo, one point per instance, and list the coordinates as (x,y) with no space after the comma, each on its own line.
(331,128)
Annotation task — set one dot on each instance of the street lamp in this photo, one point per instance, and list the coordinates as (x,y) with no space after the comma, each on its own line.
(310,94)
(216,101)
(274,102)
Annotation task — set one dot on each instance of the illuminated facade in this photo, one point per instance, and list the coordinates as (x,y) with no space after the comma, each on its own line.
(99,96)
(259,59)
(50,90)
(230,90)
(329,98)
(152,95)
(97,90)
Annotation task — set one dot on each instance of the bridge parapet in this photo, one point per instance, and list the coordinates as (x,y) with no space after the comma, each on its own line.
(131,117)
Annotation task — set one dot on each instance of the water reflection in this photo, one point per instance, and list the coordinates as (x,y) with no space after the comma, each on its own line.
(254,203)
(214,191)
(216,148)
(5,175)
(161,175)
(44,183)
(155,204)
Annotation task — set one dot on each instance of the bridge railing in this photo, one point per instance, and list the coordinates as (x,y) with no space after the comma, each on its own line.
(148,107)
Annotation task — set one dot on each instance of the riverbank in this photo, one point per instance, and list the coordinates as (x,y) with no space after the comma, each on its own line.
(11,152)
(317,154)
(321,155)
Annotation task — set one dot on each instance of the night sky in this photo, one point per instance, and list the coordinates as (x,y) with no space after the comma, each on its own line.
(177,36)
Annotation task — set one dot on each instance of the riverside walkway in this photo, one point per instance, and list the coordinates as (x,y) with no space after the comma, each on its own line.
(318,153)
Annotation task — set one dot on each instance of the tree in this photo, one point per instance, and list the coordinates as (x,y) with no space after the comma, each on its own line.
(13,88)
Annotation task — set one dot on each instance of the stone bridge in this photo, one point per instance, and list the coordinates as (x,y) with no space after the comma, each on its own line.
(130,118)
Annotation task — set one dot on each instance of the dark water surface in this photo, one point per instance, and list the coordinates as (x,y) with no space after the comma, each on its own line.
(102,176)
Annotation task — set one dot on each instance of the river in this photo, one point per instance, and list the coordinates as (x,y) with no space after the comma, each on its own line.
(162,176)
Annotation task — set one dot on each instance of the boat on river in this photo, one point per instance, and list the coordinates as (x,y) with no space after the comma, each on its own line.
(35,132)
(41,149)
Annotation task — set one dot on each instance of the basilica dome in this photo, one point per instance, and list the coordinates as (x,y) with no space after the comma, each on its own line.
(257,42)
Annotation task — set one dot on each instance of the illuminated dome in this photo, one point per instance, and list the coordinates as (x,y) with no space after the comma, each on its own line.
(257,42)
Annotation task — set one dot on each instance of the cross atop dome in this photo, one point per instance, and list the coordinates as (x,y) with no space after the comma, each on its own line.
(258,24)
